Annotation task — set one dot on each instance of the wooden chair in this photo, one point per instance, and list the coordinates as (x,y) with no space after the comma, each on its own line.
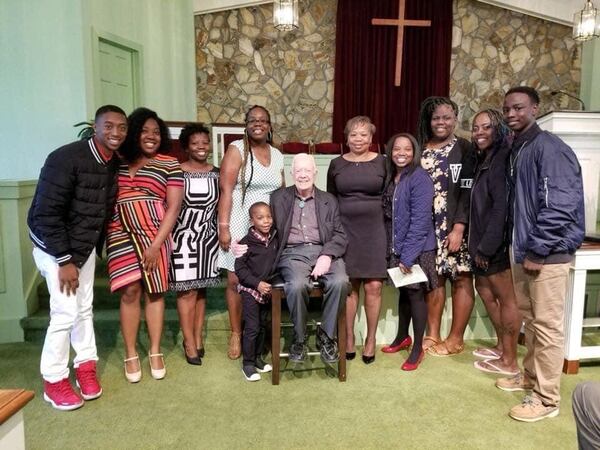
(293,148)
(328,148)
(277,294)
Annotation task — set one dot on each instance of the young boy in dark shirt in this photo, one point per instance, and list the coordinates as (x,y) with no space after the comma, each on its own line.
(253,269)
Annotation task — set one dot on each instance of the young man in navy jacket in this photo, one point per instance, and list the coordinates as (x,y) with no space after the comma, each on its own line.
(67,221)
(546,226)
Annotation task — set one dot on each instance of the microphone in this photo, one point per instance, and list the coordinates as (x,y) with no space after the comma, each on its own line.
(553,93)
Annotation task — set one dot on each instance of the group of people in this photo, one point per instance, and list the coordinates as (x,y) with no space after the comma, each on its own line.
(506,207)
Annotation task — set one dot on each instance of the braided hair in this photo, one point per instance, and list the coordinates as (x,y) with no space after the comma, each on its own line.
(424,132)
(501,129)
(248,150)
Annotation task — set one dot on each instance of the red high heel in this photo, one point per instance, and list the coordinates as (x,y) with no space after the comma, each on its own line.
(413,366)
(404,343)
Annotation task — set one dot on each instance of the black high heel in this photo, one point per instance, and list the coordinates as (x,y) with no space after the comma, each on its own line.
(350,356)
(368,359)
(193,360)
(201,352)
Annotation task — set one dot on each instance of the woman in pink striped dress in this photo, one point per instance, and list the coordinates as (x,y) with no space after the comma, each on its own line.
(139,235)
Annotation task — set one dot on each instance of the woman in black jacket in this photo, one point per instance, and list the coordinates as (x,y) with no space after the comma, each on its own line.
(449,160)
(487,243)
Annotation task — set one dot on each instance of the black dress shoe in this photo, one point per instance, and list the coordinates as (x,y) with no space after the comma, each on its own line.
(201,352)
(193,360)
(350,356)
(368,359)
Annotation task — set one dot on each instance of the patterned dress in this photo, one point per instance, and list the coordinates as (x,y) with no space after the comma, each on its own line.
(140,208)
(195,238)
(263,181)
(435,162)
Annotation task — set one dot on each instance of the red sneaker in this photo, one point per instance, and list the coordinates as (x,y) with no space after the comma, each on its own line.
(61,395)
(87,380)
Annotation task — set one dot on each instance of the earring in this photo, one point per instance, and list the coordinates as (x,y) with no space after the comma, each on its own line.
(270,136)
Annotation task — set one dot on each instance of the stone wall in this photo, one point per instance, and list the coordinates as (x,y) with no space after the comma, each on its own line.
(243,60)
(494,49)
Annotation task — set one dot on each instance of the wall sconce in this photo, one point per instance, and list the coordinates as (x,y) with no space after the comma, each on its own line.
(586,23)
(285,14)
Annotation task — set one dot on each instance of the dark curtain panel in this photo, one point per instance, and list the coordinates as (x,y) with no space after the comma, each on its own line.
(365,63)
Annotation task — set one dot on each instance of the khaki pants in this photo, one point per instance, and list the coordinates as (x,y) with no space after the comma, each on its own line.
(541,300)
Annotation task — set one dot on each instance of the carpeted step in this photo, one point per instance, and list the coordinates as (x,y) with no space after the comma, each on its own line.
(107,326)
(103,299)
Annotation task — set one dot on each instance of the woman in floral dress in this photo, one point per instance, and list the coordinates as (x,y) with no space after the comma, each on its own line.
(450,162)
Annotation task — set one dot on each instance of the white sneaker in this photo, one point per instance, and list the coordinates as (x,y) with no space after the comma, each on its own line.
(264,369)
(251,374)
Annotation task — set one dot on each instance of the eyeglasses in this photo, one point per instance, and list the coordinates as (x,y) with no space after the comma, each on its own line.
(258,122)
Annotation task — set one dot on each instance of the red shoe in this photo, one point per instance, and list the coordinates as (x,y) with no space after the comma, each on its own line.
(404,343)
(61,395)
(413,366)
(87,380)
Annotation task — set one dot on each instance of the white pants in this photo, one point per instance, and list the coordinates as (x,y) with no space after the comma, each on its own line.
(71,319)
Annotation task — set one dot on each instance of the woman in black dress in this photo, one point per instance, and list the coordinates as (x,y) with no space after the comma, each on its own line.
(357,180)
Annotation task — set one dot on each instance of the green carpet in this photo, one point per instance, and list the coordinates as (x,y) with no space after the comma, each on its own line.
(445,404)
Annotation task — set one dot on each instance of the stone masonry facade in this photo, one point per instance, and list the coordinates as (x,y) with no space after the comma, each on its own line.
(242,60)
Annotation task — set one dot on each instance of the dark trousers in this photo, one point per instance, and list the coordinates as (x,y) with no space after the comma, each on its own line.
(586,409)
(295,266)
(255,317)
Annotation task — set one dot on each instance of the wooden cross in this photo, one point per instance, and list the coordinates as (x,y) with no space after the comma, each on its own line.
(401,22)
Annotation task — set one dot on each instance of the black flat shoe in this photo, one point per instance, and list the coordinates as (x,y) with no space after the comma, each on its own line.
(368,359)
(201,352)
(350,356)
(193,360)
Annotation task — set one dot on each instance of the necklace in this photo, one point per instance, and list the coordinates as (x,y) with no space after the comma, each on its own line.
(301,204)
(363,157)
(514,158)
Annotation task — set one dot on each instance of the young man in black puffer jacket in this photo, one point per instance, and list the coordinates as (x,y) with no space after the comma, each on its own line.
(67,221)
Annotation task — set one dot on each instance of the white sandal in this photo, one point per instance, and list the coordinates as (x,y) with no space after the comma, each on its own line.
(133,377)
(157,374)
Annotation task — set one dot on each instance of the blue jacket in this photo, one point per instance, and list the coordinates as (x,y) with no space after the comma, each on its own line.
(548,207)
(412,221)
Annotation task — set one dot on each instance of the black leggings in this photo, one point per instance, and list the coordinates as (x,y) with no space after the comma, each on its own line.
(411,305)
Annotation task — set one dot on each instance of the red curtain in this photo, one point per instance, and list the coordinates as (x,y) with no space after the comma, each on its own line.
(365,63)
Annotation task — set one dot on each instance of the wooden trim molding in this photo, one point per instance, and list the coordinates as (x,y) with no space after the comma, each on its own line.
(12,401)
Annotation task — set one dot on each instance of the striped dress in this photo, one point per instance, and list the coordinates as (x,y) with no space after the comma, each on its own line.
(139,210)
(196,242)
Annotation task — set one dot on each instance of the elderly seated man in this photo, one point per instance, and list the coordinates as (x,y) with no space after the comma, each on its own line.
(312,243)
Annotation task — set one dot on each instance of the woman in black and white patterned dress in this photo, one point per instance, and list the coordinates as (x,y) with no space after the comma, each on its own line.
(196,244)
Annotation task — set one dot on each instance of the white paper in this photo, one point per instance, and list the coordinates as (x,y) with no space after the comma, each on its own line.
(400,279)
